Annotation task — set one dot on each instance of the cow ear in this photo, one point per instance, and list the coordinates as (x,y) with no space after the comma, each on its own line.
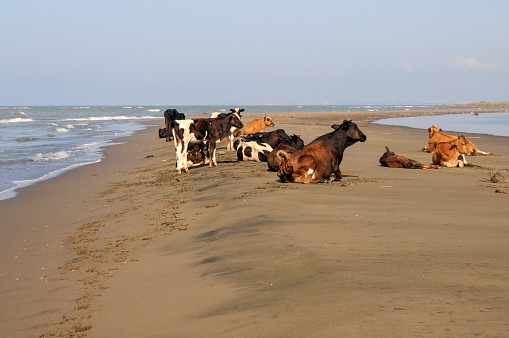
(241,110)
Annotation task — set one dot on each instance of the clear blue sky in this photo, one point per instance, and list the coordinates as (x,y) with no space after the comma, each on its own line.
(113,52)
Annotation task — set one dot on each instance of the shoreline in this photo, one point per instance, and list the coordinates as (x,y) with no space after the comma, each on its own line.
(380,115)
(102,236)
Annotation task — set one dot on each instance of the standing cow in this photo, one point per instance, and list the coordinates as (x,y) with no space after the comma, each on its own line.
(211,130)
(321,158)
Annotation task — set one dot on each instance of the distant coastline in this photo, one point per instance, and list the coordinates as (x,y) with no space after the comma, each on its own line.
(481,104)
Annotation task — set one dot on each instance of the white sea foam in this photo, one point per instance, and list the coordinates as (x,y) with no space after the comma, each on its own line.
(16,120)
(9,193)
(62,130)
(111,118)
(50,156)
(153,110)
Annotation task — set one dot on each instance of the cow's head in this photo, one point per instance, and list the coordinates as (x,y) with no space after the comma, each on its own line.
(268,121)
(470,148)
(234,120)
(237,110)
(463,145)
(388,152)
(295,141)
(432,130)
(353,133)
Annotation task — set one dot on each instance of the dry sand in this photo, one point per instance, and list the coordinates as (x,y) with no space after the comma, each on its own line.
(126,248)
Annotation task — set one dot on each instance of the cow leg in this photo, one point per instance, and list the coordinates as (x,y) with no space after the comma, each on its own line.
(229,145)
(184,156)
(338,175)
(178,155)
(212,153)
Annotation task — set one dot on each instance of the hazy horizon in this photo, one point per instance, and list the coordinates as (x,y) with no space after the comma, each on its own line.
(258,53)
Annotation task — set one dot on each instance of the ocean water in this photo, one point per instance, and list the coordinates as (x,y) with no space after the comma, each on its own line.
(483,123)
(37,143)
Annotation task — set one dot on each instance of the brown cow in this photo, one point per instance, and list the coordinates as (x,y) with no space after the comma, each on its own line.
(436,136)
(321,158)
(258,126)
(451,154)
(391,160)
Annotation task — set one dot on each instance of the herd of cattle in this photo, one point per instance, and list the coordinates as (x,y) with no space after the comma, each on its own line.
(195,144)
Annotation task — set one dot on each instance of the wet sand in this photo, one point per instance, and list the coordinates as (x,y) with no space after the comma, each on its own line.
(126,247)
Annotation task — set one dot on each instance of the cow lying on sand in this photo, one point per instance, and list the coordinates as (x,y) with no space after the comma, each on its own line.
(290,145)
(252,150)
(197,154)
(321,158)
(452,154)
(391,160)
(258,126)
(436,136)
(207,129)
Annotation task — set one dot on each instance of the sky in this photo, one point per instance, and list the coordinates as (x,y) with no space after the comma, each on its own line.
(253,52)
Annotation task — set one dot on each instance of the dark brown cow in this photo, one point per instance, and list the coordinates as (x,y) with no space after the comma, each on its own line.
(294,143)
(272,138)
(211,130)
(391,160)
(321,158)
(197,153)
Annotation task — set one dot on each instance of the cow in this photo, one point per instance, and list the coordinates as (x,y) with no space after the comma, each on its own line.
(204,129)
(272,138)
(258,125)
(169,116)
(294,143)
(436,136)
(321,158)
(391,160)
(252,150)
(234,131)
(162,132)
(452,154)
(197,153)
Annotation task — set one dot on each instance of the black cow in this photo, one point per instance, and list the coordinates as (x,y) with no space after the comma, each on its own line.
(169,116)
(294,143)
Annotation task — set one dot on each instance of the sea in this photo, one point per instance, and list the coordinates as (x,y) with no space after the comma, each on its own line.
(38,143)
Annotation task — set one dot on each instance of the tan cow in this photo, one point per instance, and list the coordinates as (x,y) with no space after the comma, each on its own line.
(258,126)
(436,136)
(451,154)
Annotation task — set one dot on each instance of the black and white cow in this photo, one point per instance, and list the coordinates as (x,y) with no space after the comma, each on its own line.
(206,129)
(252,150)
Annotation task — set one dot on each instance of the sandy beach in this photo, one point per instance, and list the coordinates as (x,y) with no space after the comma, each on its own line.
(128,248)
